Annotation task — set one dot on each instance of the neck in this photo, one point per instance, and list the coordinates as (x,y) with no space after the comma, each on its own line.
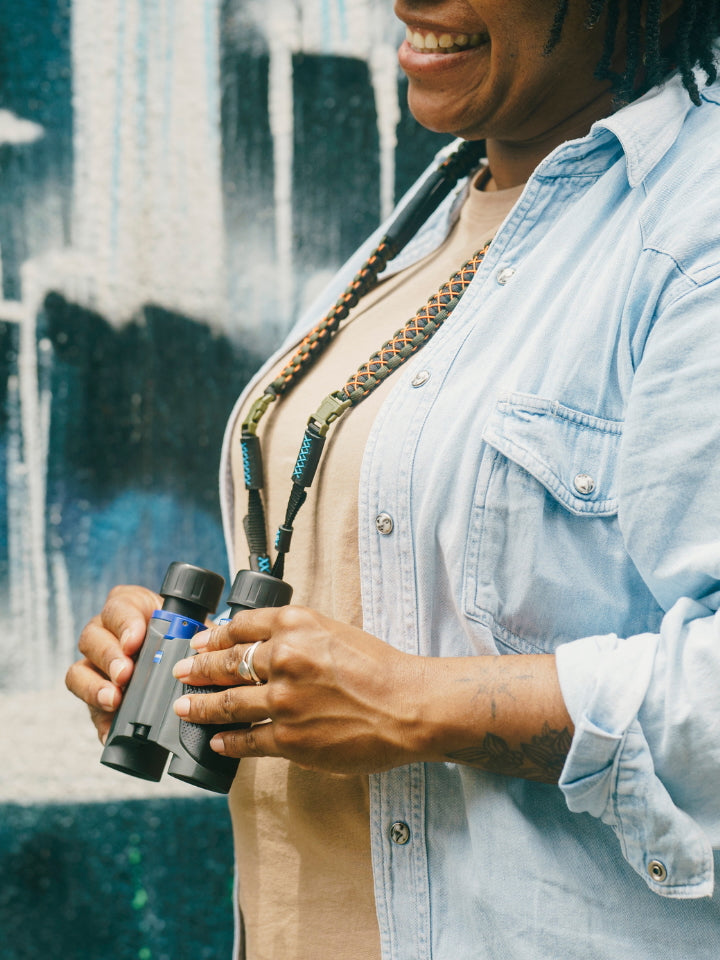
(513,161)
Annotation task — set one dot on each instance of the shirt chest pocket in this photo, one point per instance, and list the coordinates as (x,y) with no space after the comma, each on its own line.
(545,561)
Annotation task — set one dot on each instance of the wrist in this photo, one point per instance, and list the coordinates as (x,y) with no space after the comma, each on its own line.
(495,713)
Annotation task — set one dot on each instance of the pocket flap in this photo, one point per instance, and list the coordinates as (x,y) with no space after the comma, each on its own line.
(572,454)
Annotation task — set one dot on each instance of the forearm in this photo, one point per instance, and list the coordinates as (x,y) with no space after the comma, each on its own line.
(501,714)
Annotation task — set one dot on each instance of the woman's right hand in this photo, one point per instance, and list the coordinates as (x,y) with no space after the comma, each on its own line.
(107,644)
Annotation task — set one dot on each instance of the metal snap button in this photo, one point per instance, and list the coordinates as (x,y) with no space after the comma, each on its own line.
(657,870)
(421,377)
(384,524)
(584,484)
(400,833)
(507,273)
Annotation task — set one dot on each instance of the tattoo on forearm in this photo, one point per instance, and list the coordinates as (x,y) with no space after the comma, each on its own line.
(542,759)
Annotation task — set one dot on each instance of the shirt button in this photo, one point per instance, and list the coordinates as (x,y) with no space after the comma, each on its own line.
(384,524)
(421,377)
(506,274)
(584,484)
(400,833)
(657,870)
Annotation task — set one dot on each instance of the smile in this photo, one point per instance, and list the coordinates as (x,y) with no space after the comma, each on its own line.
(428,42)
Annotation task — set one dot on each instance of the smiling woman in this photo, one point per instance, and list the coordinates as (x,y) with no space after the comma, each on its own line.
(486,726)
(503,87)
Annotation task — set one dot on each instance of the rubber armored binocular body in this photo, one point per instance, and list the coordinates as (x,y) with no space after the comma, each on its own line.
(146,731)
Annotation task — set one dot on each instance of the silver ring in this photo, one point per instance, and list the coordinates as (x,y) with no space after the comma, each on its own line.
(243,672)
(247,661)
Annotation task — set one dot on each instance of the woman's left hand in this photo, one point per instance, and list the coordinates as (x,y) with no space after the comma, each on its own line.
(333,697)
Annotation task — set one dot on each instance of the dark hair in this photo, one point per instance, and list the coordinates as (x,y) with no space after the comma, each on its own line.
(692,46)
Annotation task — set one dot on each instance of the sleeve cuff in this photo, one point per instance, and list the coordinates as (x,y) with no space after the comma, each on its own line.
(609,771)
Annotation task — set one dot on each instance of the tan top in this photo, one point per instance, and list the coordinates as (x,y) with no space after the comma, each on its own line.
(302,838)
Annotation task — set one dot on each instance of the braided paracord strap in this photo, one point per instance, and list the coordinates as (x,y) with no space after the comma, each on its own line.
(457,165)
(428,198)
(361,384)
(414,334)
(319,337)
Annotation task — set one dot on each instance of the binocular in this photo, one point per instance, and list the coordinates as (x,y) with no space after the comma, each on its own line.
(146,731)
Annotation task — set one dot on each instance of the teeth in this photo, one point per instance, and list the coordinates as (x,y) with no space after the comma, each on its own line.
(444,42)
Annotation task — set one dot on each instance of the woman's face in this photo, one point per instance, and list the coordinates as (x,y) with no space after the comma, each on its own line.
(476,69)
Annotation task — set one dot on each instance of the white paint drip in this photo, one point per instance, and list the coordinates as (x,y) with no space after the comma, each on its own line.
(281,114)
(148,201)
(365,29)
(34,426)
(383,73)
(14,130)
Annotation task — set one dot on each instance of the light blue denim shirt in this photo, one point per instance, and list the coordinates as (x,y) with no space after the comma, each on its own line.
(554,487)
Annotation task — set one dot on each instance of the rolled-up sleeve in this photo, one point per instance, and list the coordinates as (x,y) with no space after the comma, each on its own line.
(645,756)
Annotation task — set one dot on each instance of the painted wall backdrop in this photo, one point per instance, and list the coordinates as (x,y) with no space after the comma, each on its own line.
(177,178)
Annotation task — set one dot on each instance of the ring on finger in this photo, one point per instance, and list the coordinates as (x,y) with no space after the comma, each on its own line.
(243,672)
(247,663)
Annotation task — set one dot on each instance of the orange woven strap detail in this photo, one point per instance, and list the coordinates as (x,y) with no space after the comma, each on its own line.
(416,332)
(313,345)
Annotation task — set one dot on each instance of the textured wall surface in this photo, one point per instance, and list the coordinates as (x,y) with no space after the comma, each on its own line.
(177,178)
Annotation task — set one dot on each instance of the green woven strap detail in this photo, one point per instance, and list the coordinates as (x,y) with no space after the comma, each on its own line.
(320,336)
(416,332)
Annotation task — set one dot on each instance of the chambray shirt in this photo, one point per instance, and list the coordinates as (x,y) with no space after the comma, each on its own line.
(553,482)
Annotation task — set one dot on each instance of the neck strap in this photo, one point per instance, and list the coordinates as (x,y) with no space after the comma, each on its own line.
(391,355)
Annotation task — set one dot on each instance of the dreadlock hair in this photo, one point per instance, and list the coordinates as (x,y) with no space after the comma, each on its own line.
(692,46)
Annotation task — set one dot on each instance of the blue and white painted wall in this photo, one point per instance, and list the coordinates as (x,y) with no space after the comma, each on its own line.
(177,177)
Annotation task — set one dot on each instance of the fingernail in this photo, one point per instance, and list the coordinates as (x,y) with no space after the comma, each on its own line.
(116,668)
(182,706)
(106,697)
(182,668)
(217,744)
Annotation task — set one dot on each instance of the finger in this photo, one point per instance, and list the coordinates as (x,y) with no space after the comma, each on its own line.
(246,626)
(257,741)
(102,722)
(102,697)
(219,668)
(126,614)
(102,650)
(235,705)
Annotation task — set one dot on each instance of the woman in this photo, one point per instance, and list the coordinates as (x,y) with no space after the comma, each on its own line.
(538,480)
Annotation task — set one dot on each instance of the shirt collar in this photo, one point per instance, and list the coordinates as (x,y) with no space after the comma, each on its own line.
(648,127)
(645,130)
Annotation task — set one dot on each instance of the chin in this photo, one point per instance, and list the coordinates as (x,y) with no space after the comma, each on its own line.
(437,118)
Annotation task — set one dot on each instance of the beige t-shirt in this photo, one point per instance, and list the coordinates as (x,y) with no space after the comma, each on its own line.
(302,838)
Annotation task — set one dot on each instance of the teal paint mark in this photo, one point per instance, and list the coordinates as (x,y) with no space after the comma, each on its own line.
(343,19)
(212,81)
(167,92)
(118,131)
(326,26)
(327,35)
(143,32)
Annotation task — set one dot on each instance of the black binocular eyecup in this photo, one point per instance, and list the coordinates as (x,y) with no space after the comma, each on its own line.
(252,590)
(191,591)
